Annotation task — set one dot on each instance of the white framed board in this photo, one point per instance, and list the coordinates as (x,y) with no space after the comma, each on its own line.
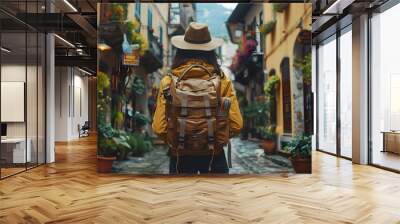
(12,101)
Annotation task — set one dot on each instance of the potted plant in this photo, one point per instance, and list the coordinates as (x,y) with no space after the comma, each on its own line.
(142,144)
(107,148)
(300,153)
(268,140)
(122,143)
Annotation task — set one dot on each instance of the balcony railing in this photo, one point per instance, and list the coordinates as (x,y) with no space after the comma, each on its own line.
(180,17)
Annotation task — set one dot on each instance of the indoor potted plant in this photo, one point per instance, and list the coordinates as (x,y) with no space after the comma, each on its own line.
(268,140)
(300,153)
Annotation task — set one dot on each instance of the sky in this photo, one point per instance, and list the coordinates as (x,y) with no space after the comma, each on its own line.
(228,5)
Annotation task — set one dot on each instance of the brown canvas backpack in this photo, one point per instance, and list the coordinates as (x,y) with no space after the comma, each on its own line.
(197,115)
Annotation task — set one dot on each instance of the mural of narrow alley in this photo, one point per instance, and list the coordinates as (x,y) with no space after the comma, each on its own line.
(247,158)
(265,52)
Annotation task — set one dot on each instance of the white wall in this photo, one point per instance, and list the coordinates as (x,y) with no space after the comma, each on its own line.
(33,127)
(71,103)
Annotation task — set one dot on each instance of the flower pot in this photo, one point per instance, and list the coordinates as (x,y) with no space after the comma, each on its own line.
(269,146)
(104,164)
(301,165)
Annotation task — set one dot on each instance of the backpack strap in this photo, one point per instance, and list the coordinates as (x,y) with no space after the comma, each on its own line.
(210,138)
(195,66)
(207,105)
(181,136)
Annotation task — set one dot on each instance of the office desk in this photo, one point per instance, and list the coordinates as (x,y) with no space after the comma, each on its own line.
(13,150)
(391,141)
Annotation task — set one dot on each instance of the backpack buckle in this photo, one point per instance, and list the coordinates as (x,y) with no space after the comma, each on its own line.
(167,93)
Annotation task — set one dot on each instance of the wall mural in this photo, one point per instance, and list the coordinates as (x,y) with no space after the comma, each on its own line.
(179,93)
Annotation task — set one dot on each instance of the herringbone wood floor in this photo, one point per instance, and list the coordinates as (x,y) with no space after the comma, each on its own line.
(70,191)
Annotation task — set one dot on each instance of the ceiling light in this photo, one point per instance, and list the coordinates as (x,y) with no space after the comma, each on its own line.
(65,41)
(84,71)
(70,5)
(5,50)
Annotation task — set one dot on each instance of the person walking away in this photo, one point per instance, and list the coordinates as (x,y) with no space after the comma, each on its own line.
(197,110)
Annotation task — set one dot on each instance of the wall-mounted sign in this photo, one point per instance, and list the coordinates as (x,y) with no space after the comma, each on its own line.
(131,59)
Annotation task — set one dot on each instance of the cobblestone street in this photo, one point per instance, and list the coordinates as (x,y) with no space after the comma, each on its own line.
(247,158)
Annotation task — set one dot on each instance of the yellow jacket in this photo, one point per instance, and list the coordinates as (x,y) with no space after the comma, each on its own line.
(159,120)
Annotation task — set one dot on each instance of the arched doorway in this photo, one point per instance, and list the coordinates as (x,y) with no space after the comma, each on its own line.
(301,84)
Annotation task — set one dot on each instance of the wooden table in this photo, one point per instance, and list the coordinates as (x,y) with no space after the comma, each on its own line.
(391,141)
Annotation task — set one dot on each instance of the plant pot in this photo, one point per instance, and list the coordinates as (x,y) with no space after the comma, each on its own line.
(269,146)
(301,165)
(104,164)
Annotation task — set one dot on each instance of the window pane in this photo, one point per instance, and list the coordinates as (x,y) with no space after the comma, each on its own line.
(346,94)
(15,150)
(385,84)
(327,96)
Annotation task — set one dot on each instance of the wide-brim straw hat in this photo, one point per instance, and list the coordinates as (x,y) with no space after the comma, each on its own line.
(197,37)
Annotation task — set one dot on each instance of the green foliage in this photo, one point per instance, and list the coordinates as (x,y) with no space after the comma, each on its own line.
(121,142)
(142,144)
(306,67)
(268,133)
(117,117)
(255,110)
(138,86)
(118,11)
(140,119)
(300,146)
(267,28)
(131,27)
(270,87)
(279,7)
(107,146)
(103,82)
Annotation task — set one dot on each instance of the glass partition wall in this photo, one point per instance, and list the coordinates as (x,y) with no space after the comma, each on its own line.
(327,95)
(334,94)
(385,89)
(22,94)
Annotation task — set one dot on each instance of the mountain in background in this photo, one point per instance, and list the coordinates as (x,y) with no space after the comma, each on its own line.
(215,15)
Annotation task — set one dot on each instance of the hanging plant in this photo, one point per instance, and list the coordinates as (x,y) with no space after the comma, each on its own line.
(118,11)
(305,66)
(138,86)
(131,27)
(270,86)
(137,38)
(246,48)
(103,82)
(280,7)
(267,27)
